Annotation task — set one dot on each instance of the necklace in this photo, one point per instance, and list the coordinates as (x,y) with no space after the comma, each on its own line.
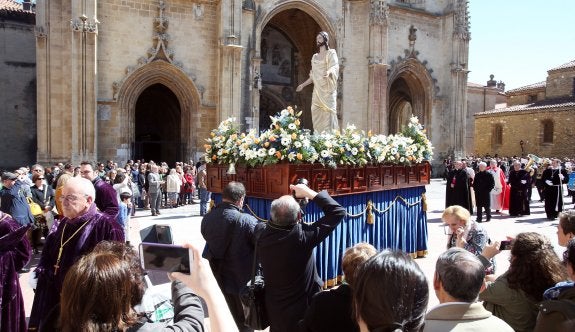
(62,244)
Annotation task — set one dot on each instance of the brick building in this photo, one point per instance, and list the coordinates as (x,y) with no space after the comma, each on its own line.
(17,85)
(538,119)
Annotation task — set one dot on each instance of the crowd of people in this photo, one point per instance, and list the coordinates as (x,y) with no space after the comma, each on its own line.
(487,184)
(89,277)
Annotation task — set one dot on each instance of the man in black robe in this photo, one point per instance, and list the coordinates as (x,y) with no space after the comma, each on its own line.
(520,181)
(554,177)
(285,250)
(457,191)
(483,183)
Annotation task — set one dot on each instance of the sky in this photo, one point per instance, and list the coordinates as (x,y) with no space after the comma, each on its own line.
(519,40)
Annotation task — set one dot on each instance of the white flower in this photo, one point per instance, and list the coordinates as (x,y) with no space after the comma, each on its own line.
(297,144)
(286,141)
(324,153)
(284,112)
(291,156)
(261,152)
(271,151)
(354,151)
(292,126)
(306,142)
(393,150)
(401,159)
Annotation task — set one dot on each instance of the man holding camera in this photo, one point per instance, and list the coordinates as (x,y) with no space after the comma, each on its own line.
(285,251)
(229,236)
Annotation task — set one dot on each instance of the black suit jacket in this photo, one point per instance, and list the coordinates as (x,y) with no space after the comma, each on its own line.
(285,254)
(330,311)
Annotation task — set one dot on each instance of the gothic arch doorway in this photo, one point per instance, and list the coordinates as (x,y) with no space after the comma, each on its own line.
(286,49)
(158,125)
(410,94)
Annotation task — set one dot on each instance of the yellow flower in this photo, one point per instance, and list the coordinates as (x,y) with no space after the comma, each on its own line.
(266,144)
(257,141)
(214,157)
(278,154)
(213,134)
(293,136)
(297,122)
(299,156)
(272,138)
(234,136)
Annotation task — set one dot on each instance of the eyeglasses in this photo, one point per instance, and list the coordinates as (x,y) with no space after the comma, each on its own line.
(70,198)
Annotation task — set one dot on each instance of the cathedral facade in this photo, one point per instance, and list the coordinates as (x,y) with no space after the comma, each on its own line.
(132,79)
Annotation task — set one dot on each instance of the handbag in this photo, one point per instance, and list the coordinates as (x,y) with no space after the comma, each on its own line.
(253,298)
(35,208)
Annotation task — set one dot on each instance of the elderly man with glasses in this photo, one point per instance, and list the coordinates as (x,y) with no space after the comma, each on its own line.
(82,227)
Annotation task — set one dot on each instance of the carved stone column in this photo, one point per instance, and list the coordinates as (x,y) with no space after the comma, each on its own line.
(378,121)
(378,17)
(230,59)
(84,26)
(460,50)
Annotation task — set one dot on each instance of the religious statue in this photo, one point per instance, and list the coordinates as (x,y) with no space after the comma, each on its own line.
(324,73)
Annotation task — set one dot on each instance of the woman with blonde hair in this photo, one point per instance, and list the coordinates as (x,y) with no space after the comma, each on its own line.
(463,232)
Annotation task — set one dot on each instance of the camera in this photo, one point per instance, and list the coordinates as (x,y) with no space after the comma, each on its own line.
(301,201)
(505,245)
(165,257)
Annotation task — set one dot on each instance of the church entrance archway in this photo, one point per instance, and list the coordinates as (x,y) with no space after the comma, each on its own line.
(158,126)
(410,94)
(286,48)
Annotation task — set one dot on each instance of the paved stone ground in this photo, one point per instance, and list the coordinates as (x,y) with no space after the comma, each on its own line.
(185,222)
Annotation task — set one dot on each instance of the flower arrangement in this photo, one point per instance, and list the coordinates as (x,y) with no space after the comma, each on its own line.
(223,145)
(285,140)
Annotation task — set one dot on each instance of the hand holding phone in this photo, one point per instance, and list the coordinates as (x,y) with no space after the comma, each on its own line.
(165,257)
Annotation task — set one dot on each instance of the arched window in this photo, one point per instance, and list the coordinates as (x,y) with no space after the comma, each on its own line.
(547,127)
(497,135)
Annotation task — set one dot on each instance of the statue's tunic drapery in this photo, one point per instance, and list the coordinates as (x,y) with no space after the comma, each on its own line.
(323,102)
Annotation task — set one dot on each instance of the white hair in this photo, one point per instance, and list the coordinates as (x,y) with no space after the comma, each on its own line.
(482,164)
(84,185)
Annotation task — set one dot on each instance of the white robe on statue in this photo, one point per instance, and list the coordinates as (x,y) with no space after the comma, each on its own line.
(323,102)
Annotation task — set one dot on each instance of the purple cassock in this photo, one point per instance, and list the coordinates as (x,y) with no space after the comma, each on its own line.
(79,236)
(14,254)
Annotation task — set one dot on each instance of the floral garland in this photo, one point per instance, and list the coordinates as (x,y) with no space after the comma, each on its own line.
(285,140)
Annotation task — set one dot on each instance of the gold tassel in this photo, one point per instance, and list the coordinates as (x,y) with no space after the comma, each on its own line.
(424,200)
(369,212)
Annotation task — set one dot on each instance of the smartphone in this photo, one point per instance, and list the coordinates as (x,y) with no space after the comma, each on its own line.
(505,245)
(165,257)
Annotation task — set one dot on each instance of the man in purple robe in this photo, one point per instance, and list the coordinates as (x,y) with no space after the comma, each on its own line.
(82,227)
(106,196)
(14,254)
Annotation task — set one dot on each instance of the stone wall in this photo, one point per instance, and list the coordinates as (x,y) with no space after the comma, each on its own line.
(560,83)
(17,90)
(526,126)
